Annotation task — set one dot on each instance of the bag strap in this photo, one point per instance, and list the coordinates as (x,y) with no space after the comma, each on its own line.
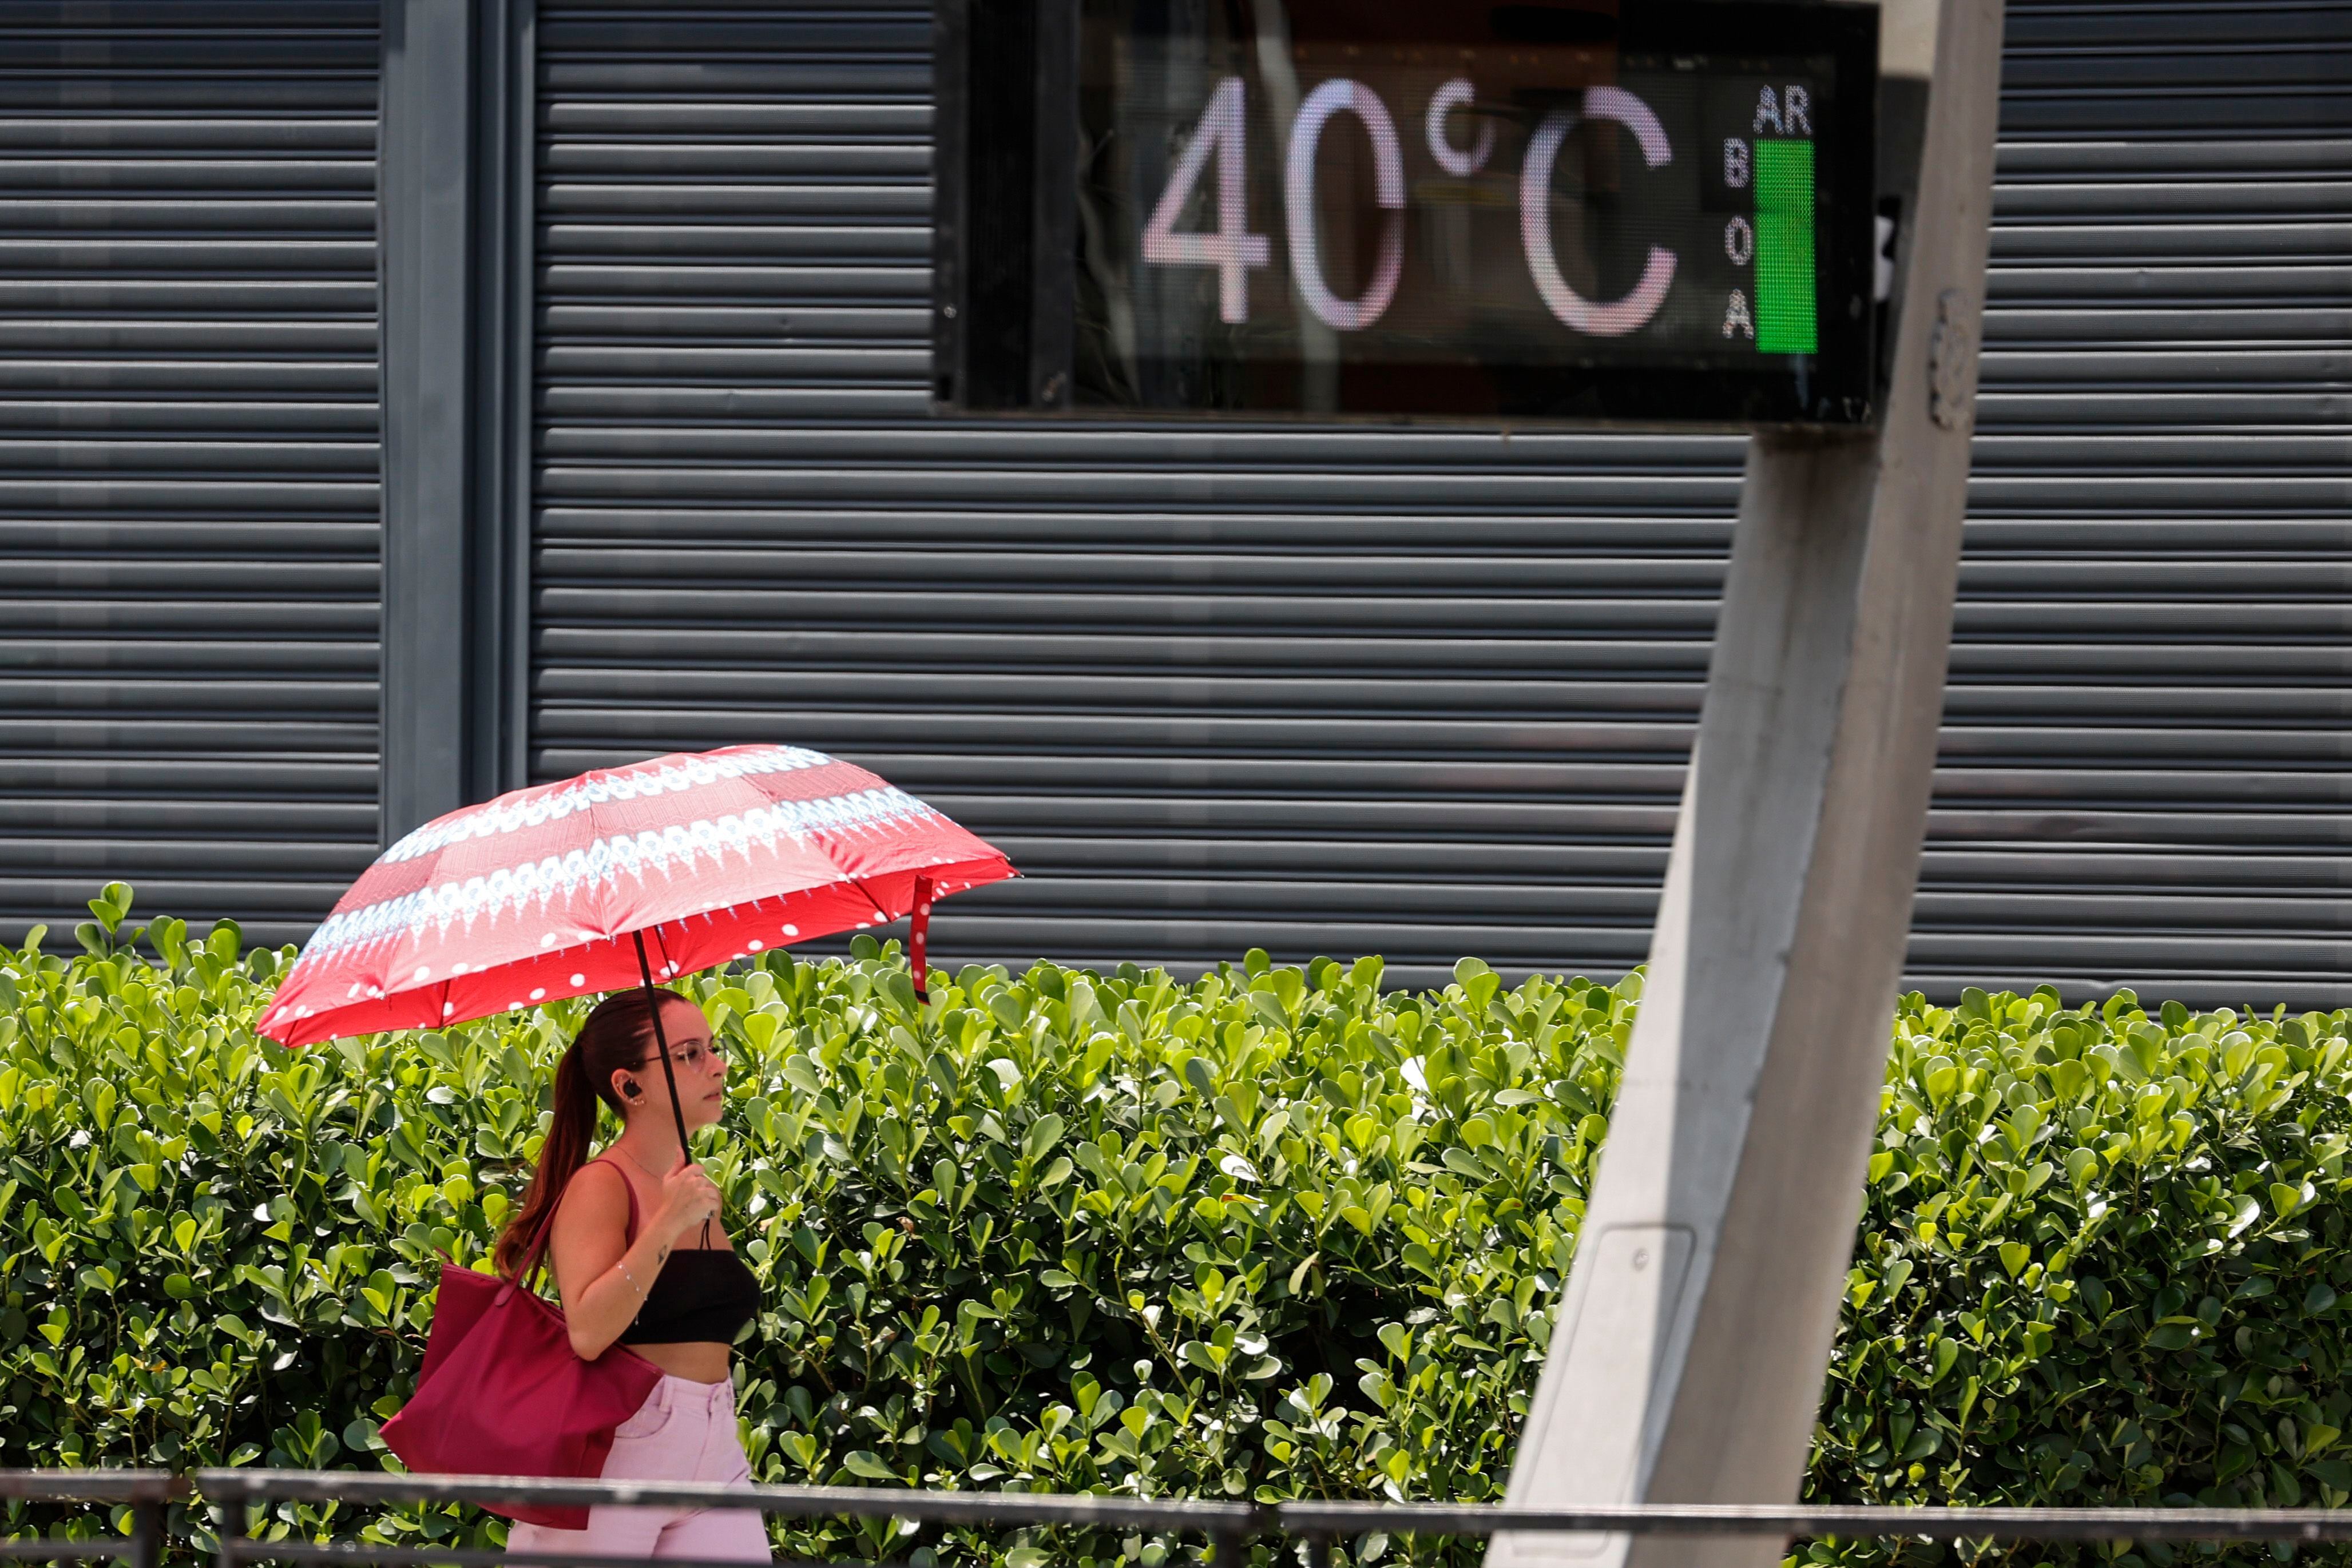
(534,1254)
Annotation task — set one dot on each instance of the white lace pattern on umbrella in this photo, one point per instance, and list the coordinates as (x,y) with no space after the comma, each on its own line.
(680,847)
(626,784)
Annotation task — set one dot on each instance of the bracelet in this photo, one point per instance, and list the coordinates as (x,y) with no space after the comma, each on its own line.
(632,1279)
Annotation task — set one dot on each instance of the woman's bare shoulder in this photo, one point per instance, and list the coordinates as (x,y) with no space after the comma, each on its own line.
(594,1201)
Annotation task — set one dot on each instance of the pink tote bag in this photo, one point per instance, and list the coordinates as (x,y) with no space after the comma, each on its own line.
(501,1392)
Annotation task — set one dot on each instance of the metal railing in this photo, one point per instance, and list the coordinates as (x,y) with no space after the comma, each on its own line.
(148,1493)
(1226,1527)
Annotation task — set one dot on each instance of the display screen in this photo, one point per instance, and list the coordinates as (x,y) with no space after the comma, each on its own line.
(1578,209)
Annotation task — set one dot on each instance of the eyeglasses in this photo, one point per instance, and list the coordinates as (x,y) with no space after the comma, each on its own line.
(690,1059)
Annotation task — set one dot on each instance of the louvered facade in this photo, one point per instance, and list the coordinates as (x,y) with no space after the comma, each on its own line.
(2144,774)
(1424,693)
(187,457)
(1431,693)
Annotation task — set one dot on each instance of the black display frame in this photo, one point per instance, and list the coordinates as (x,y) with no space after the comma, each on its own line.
(1004,172)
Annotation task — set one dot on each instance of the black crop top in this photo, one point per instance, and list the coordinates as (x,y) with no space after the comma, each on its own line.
(702,1294)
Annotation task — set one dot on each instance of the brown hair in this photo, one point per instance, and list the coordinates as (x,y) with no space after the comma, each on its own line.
(618,1036)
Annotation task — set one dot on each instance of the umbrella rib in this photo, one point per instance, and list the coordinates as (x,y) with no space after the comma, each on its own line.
(881,913)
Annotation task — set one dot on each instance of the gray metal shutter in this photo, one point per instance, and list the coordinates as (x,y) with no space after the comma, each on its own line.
(1431,693)
(187,457)
(2144,773)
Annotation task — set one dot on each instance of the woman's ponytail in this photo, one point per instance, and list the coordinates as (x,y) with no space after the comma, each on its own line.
(618,1035)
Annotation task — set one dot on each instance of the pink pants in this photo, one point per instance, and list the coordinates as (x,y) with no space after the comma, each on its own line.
(683,1432)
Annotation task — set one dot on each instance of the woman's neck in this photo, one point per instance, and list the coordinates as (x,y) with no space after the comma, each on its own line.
(653,1151)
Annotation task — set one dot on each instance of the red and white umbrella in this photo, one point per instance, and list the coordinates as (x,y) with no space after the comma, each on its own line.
(622,876)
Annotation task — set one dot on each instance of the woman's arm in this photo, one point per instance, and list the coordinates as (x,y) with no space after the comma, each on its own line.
(602,1282)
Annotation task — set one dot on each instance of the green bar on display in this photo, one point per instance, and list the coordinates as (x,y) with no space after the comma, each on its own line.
(1784,248)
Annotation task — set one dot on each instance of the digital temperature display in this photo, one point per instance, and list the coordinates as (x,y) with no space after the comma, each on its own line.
(1584,210)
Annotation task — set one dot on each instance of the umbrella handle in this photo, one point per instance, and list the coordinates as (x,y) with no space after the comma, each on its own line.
(661,1045)
(919,936)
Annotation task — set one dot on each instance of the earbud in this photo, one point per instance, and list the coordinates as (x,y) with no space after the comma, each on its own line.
(629,1087)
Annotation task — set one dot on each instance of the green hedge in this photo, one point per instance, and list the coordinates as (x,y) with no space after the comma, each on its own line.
(1269,1233)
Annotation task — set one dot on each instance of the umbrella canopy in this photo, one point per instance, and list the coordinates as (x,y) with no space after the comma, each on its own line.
(553,891)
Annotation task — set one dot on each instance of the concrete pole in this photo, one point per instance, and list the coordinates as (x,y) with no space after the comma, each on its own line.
(1687,1358)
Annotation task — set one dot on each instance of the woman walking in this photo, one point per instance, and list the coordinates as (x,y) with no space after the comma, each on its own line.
(620,1224)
